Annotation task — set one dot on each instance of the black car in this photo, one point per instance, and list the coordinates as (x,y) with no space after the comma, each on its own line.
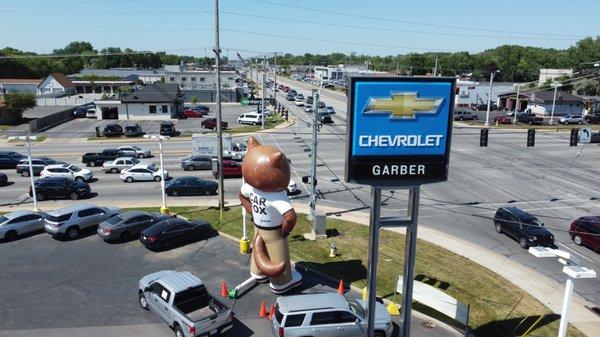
(167,129)
(133,130)
(592,118)
(3,179)
(53,188)
(191,186)
(113,130)
(523,227)
(10,159)
(169,233)
(202,108)
(81,111)
(325,118)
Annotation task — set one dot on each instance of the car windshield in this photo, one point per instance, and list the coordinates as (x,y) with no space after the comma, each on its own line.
(357,309)
(152,168)
(130,127)
(137,148)
(135,160)
(533,221)
(114,220)
(74,168)
(3,219)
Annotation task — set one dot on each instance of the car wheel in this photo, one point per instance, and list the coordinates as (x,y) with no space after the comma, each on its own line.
(80,179)
(498,228)
(114,170)
(72,232)
(92,163)
(577,239)
(143,302)
(179,332)
(379,334)
(25,173)
(141,156)
(523,242)
(40,196)
(174,193)
(10,235)
(157,178)
(74,196)
(129,179)
(191,168)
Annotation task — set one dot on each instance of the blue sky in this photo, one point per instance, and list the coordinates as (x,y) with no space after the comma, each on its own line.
(375,27)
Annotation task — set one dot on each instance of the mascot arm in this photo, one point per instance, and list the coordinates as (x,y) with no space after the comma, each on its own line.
(246,203)
(289,221)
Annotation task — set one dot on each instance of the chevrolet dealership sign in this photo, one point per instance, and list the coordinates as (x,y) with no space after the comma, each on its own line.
(399,130)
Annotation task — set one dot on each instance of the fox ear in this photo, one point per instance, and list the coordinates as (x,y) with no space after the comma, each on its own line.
(278,159)
(252,143)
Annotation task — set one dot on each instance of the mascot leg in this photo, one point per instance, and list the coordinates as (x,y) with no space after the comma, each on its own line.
(279,251)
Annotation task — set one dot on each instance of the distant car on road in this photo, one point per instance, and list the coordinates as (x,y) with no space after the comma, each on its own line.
(292,187)
(463,115)
(231,169)
(3,179)
(299,101)
(523,227)
(71,220)
(330,110)
(128,225)
(120,164)
(133,130)
(53,188)
(211,124)
(585,231)
(134,151)
(571,119)
(10,159)
(181,186)
(98,158)
(37,165)
(20,222)
(308,108)
(142,172)
(171,232)
(192,163)
(321,105)
(324,118)
(67,171)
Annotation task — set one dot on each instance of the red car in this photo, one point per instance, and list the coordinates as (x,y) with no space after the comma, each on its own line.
(585,231)
(231,169)
(191,113)
(502,120)
(211,124)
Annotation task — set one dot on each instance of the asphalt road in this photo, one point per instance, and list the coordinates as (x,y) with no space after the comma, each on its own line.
(555,182)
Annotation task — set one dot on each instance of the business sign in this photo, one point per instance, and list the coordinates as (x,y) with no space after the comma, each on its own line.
(399,130)
(257,101)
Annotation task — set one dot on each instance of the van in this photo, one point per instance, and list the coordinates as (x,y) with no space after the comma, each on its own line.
(250,118)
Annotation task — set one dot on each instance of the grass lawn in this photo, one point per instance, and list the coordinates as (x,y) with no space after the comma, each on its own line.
(271,122)
(498,307)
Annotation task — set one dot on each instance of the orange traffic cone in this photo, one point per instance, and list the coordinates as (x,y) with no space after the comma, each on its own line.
(271,312)
(224,291)
(341,288)
(263,309)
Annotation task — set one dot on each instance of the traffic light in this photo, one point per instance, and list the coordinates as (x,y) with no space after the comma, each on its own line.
(574,137)
(483,137)
(531,138)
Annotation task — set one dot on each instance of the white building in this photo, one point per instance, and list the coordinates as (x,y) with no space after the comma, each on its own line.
(341,72)
(19,85)
(550,74)
(56,85)
(470,92)
(198,79)
(152,102)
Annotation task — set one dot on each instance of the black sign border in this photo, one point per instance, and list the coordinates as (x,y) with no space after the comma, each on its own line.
(350,174)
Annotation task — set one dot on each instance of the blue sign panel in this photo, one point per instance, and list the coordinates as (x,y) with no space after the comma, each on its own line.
(399,130)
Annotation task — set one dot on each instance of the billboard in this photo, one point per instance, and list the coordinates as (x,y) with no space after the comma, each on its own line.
(399,130)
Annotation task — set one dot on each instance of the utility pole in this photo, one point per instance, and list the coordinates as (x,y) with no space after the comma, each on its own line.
(313,163)
(275,80)
(163,209)
(487,115)
(555,85)
(517,103)
(219,119)
(264,92)
(28,140)
(435,67)
(397,66)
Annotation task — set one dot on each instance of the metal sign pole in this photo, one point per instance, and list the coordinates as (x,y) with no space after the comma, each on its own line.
(410,252)
(372,261)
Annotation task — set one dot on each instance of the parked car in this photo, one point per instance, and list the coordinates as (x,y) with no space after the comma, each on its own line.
(37,165)
(328,314)
(571,119)
(134,151)
(81,111)
(502,120)
(190,113)
(202,108)
(308,109)
(10,159)
(211,124)
(250,118)
(113,130)
(128,225)
(120,164)
(172,232)
(67,171)
(91,113)
(324,118)
(133,130)
(71,220)
(20,222)
(53,188)
(182,301)
(592,118)
(3,179)
(529,118)
(290,97)
(142,172)
(330,110)
(192,163)
(191,186)
(462,115)
(98,158)
(167,129)
(523,227)
(231,169)
(585,231)
(299,101)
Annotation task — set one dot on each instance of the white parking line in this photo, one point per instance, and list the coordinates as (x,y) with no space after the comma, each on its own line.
(576,252)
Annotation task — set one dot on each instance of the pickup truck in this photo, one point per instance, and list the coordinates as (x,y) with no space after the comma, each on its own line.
(182,301)
(98,158)
(529,118)
(211,124)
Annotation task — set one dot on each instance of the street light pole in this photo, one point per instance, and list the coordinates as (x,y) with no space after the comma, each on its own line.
(564,313)
(163,209)
(264,92)
(219,117)
(487,115)
(517,103)
(28,140)
(555,85)
(313,166)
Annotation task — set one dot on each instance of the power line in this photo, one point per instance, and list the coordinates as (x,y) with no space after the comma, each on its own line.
(70,3)
(121,30)
(420,23)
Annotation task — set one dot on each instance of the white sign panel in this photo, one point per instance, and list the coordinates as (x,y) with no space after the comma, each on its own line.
(438,300)
(585,135)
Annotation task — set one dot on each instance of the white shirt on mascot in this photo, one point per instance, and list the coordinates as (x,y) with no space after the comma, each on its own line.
(267,207)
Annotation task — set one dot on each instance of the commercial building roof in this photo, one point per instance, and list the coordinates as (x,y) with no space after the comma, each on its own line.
(20,81)
(154,93)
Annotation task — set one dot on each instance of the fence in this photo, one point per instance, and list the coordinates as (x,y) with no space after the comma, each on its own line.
(58,101)
(51,120)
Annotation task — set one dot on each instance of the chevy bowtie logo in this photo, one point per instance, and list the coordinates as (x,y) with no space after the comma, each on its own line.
(402,105)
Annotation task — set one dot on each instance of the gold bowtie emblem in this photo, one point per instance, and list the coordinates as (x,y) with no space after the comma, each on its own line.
(402,105)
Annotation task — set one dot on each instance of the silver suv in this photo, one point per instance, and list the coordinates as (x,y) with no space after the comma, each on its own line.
(327,315)
(70,221)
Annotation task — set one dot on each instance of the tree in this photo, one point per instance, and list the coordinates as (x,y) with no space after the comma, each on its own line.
(194,100)
(16,103)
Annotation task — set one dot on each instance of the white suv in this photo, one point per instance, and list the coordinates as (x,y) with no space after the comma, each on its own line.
(251,118)
(67,171)
(142,173)
(70,221)
(571,119)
